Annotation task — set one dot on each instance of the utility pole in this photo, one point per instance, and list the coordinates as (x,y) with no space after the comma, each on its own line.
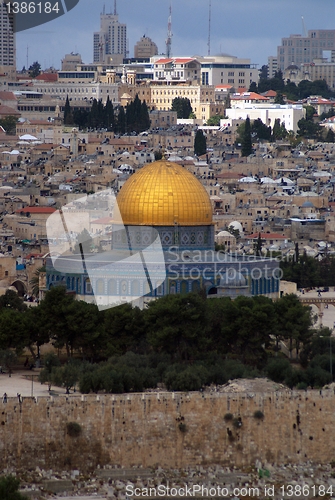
(209,28)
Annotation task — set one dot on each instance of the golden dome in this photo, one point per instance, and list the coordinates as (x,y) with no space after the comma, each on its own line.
(163,194)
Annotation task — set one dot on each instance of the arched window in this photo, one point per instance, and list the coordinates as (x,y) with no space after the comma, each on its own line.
(100,287)
(184,287)
(112,287)
(135,288)
(88,286)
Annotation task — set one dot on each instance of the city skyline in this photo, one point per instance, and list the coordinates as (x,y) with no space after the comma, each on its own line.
(244,30)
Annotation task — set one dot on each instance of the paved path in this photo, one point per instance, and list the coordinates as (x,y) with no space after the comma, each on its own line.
(21,382)
(328,318)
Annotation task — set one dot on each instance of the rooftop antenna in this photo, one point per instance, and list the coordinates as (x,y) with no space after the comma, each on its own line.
(303,27)
(169,35)
(115,13)
(104,10)
(209,28)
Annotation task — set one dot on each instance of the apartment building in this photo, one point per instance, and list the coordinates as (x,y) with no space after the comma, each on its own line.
(300,49)
(7,42)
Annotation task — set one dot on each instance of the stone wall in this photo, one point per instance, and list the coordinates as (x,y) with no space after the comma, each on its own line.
(168,429)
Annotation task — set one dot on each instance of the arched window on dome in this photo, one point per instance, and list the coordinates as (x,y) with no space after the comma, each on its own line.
(195,286)
(124,287)
(112,287)
(173,287)
(88,286)
(135,288)
(146,288)
(184,287)
(100,287)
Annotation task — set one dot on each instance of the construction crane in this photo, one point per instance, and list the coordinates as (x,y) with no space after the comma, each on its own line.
(168,40)
(209,28)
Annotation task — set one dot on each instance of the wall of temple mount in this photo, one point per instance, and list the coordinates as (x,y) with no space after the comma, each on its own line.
(168,429)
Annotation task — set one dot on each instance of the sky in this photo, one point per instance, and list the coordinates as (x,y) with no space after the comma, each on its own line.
(249,29)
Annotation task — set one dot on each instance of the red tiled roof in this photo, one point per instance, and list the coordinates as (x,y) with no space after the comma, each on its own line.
(223,86)
(7,96)
(163,61)
(178,60)
(47,77)
(250,96)
(269,93)
(8,111)
(36,210)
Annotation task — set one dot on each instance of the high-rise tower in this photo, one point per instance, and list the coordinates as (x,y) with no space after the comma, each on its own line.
(110,43)
(7,41)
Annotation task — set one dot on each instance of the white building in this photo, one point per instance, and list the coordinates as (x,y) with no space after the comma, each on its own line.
(288,114)
(228,70)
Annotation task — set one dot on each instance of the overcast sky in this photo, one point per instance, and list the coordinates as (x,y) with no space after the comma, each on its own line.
(245,28)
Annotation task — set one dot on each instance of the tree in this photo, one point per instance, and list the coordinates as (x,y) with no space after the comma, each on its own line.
(9,124)
(279,131)
(308,129)
(34,69)
(68,116)
(279,99)
(176,325)
(84,243)
(34,282)
(263,72)
(137,116)
(330,136)
(260,130)
(183,107)
(259,245)
(214,120)
(121,121)
(46,375)
(9,486)
(246,139)
(109,114)
(200,143)
(294,321)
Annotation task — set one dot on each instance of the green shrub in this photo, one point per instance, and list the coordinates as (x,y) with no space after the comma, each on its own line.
(182,427)
(9,486)
(228,417)
(278,369)
(259,415)
(73,429)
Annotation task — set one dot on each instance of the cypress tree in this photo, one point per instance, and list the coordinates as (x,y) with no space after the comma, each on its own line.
(121,121)
(200,143)
(246,139)
(145,116)
(68,116)
(109,114)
